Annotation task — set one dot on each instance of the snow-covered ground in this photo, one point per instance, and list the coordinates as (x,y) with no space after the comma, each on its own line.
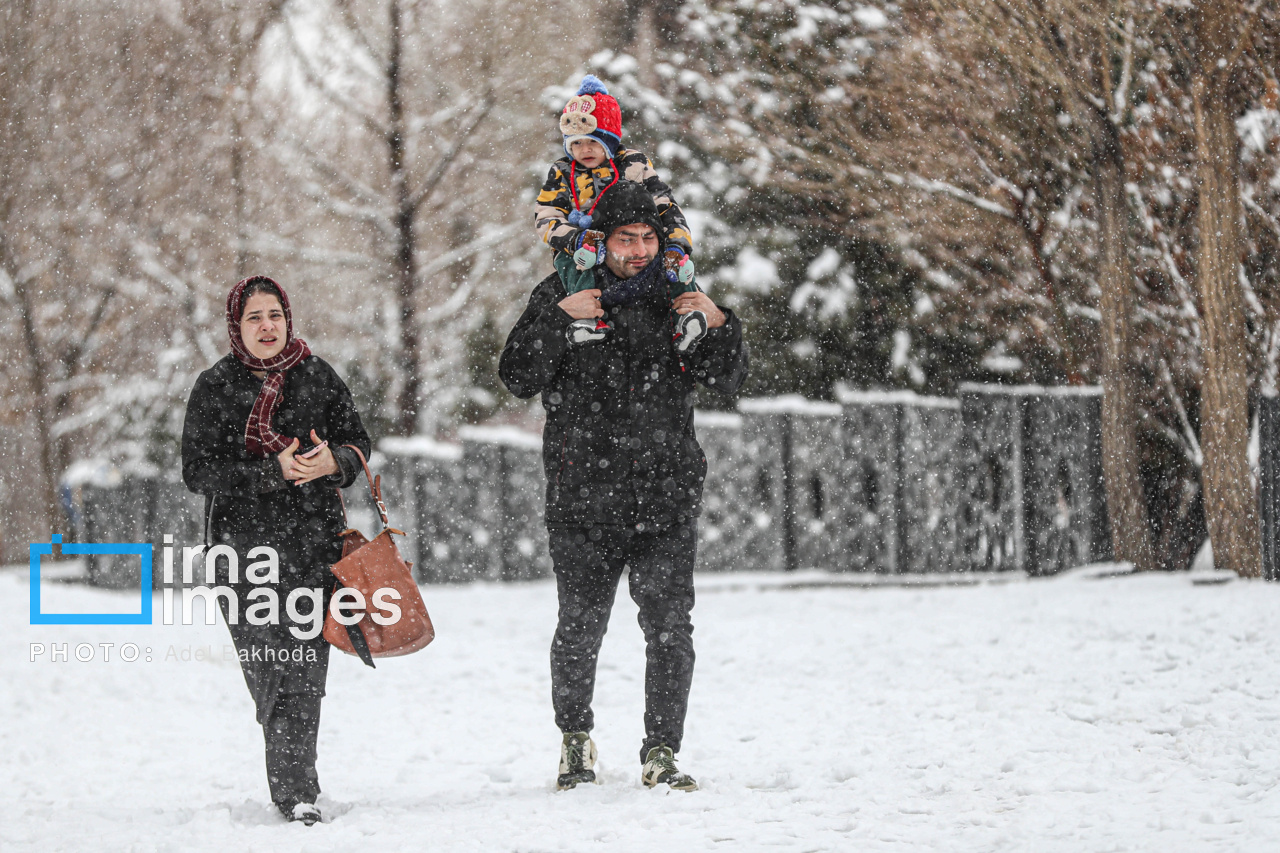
(1071,714)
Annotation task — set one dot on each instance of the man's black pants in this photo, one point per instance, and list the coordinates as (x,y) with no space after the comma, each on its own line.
(588,563)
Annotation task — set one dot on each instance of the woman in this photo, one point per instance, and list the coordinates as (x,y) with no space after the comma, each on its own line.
(247,422)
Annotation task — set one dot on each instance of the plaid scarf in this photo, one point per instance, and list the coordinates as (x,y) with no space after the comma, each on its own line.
(259,438)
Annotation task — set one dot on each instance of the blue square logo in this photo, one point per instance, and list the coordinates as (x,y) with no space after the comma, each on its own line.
(142,549)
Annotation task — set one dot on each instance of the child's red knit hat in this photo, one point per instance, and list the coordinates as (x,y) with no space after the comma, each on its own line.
(592,114)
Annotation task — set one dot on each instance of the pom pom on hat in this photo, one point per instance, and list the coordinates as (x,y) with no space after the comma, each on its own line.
(592,85)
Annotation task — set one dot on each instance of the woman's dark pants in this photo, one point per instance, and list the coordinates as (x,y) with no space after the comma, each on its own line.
(286,677)
(290,734)
(588,564)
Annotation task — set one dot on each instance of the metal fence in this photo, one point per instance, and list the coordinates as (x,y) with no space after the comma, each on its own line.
(1269,483)
(1002,478)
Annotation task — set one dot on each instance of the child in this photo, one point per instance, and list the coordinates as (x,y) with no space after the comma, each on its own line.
(592,127)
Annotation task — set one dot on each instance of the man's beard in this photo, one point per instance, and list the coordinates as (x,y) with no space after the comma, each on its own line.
(623,291)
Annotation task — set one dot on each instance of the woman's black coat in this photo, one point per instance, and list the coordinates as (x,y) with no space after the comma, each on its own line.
(248,503)
(618,446)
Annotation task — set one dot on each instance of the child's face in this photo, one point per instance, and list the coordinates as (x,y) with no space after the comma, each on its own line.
(588,152)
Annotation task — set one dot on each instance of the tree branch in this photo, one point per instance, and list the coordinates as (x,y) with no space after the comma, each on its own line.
(277,247)
(357,31)
(147,258)
(353,186)
(71,357)
(448,259)
(460,141)
(316,79)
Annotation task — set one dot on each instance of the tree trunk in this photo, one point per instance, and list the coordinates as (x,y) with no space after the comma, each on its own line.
(1230,503)
(238,193)
(1126,501)
(243,49)
(405,265)
(49,462)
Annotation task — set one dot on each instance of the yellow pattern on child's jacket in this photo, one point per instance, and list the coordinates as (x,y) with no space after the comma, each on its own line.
(554,203)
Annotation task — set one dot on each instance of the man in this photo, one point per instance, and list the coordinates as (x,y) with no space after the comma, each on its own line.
(624,471)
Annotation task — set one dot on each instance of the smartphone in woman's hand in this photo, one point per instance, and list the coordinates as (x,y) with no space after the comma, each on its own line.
(313,451)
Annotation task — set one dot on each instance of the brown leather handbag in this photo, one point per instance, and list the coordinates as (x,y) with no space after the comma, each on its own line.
(375,567)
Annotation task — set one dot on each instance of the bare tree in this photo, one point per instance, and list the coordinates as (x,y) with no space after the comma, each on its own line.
(1083,53)
(119,187)
(408,131)
(990,131)
(57,293)
(443,131)
(238,29)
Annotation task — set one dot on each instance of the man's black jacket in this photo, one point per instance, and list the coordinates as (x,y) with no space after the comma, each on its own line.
(618,446)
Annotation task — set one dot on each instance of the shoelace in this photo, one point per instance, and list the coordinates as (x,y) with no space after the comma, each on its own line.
(574,755)
(667,762)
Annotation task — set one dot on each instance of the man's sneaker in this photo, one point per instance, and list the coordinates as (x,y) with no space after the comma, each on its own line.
(305,812)
(690,328)
(660,767)
(577,757)
(586,331)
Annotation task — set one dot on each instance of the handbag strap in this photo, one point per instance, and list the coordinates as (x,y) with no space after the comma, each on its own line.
(375,488)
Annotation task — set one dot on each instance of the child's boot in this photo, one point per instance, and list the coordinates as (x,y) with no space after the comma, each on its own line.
(588,331)
(690,328)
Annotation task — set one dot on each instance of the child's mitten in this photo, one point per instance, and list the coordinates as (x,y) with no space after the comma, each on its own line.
(678,265)
(590,250)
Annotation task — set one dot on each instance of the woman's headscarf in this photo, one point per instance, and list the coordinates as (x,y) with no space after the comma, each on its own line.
(259,438)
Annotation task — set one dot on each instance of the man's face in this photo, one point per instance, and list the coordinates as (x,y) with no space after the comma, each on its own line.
(629,249)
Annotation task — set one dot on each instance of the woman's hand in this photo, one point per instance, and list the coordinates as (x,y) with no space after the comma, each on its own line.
(322,464)
(286,460)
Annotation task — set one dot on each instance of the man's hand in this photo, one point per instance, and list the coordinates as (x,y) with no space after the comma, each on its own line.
(699,301)
(583,305)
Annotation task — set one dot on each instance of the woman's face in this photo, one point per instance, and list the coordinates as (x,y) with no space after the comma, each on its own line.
(262,326)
